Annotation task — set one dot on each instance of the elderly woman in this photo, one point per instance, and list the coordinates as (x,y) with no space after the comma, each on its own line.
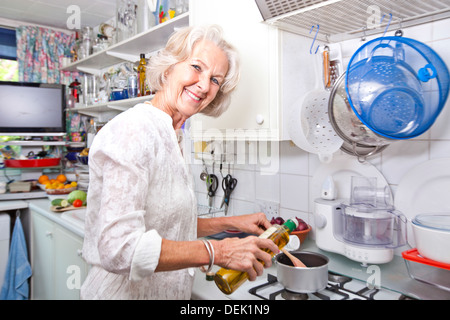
(142,229)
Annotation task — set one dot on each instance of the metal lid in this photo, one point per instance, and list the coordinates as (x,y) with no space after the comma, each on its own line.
(438,221)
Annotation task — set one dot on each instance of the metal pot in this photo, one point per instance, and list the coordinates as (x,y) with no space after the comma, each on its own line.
(303,280)
(359,140)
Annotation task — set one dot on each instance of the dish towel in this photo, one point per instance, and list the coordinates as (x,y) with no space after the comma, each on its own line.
(18,270)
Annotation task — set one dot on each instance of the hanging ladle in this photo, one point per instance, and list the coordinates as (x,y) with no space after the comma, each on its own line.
(295,261)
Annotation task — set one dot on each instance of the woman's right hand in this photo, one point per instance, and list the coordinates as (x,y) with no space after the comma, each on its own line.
(244,254)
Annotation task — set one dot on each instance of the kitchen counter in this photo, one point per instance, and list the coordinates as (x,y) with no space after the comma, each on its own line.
(42,206)
(393,276)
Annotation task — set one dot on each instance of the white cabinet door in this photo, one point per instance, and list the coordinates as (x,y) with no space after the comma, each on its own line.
(70,268)
(254,110)
(43,257)
(58,267)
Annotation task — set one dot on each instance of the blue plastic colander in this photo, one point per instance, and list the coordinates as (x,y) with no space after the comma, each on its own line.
(397,86)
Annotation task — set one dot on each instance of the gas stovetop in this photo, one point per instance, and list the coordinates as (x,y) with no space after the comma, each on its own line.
(339,288)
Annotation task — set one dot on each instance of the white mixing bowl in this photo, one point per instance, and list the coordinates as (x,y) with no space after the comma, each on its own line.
(432,235)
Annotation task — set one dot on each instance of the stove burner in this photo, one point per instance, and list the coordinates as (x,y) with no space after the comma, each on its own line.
(334,290)
(290,295)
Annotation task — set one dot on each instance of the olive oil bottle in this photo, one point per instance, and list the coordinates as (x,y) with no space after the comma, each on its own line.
(229,280)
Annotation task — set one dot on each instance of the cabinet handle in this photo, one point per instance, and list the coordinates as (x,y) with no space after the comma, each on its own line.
(49,234)
(79,252)
(259,119)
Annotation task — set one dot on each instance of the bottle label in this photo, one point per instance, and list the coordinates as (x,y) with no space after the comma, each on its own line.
(266,234)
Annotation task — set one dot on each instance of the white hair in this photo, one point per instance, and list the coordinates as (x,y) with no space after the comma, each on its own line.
(179,48)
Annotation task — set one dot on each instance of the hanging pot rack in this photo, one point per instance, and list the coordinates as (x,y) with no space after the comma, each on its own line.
(341,20)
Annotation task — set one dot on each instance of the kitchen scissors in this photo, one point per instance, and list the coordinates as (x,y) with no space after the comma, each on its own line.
(228,185)
(212,183)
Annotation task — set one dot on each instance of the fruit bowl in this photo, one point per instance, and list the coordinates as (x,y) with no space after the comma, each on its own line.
(60,191)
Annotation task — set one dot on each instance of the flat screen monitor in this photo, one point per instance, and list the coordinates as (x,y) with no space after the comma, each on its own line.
(32,108)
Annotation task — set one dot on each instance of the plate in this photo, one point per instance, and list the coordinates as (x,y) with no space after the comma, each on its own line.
(341,169)
(424,189)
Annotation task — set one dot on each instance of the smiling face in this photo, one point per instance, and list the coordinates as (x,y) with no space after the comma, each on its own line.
(193,84)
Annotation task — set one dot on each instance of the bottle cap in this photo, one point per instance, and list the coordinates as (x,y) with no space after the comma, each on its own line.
(142,55)
(291,224)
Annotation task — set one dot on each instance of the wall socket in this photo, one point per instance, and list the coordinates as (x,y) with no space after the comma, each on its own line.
(270,208)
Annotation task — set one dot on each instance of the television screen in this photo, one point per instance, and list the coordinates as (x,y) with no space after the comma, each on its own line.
(32,108)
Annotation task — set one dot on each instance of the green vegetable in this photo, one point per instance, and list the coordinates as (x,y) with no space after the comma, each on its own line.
(57,202)
(77,194)
(64,203)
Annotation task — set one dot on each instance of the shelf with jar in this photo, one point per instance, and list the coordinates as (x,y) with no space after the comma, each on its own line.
(148,41)
(107,110)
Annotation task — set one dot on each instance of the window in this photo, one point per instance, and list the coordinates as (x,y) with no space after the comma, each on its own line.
(8,55)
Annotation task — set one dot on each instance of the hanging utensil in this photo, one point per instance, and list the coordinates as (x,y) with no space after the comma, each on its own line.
(212,183)
(309,125)
(228,185)
(326,68)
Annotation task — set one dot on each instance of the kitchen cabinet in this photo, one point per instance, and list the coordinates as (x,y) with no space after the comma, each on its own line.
(254,113)
(58,267)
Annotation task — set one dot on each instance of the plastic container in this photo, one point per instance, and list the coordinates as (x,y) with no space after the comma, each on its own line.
(432,236)
(427,271)
(397,86)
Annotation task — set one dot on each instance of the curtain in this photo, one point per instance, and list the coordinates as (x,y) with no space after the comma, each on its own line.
(39,55)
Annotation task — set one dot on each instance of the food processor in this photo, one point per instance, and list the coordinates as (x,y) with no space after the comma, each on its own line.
(365,228)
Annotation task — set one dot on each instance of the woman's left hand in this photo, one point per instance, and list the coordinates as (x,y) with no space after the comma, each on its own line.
(255,223)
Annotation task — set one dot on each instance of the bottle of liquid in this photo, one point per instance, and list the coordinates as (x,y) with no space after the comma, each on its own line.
(141,75)
(91,132)
(229,280)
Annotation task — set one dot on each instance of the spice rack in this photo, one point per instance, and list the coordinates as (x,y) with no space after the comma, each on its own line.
(341,20)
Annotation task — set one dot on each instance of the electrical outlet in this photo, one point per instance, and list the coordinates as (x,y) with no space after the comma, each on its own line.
(270,208)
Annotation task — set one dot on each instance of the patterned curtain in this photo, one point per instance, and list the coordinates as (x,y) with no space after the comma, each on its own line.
(39,55)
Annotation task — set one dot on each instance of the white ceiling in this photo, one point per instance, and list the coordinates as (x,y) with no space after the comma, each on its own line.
(53,13)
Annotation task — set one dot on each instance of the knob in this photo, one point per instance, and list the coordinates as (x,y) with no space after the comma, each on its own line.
(79,252)
(49,234)
(259,119)
(320,220)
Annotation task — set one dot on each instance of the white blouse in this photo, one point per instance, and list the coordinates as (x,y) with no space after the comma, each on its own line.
(140,191)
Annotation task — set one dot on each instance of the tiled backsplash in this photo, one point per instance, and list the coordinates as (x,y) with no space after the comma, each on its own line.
(289,186)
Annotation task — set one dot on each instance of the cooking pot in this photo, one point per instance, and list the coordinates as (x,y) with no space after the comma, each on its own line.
(397,86)
(303,280)
(432,236)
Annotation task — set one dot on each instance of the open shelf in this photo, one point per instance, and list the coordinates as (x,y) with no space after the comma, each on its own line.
(129,50)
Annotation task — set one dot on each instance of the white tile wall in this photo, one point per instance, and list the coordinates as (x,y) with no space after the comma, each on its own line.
(290,185)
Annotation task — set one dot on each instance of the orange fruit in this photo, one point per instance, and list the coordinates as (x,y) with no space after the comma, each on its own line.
(42,179)
(61,178)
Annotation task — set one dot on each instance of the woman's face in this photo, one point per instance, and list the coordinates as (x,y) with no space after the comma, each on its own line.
(194,83)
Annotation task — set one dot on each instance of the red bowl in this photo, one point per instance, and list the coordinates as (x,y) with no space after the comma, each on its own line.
(31,163)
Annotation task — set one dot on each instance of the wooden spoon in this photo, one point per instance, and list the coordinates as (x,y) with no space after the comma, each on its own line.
(295,260)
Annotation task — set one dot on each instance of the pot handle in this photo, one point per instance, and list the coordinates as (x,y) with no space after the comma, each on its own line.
(382,46)
(400,228)
(424,73)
